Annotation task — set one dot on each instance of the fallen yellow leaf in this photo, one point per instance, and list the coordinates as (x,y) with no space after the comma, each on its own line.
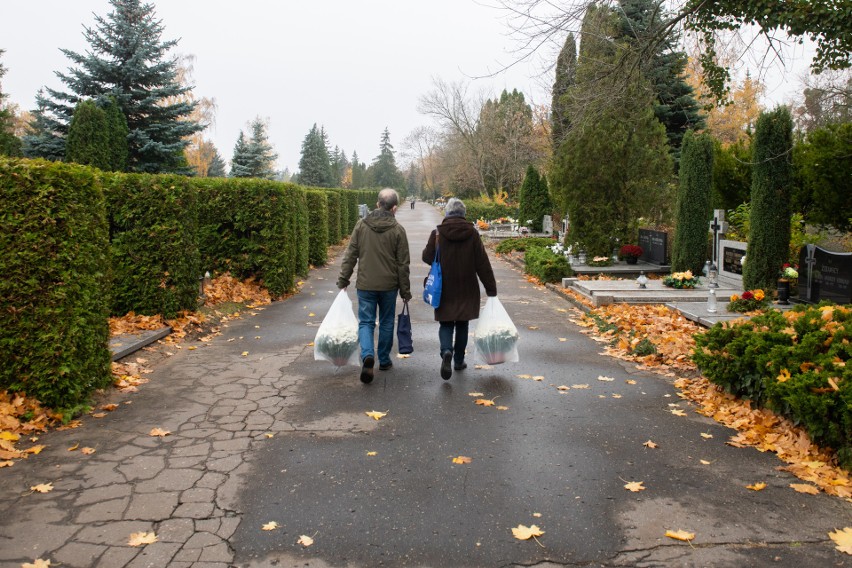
(10,436)
(74,447)
(312,314)
(462,459)
(579,386)
(375,415)
(842,539)
(140,538)
(403,355)
(87,451)
(99,415)
(708,436)
(760,486)
(269,435)
(305,540)
(483,367)
(244,353)
(537,515)
(270,526)
(522,532)
(704,462)
(159,432)
(616,396)
(630,382)
(35,449)
(650,444)
(563,388)
(37,563)
(805,488)
(372,453)
(502,407)
(538,378)
(475,394)
(677,412)
(680,535)
(42,488)
(109,407)
(524,376)
(605,379)
(7,463)
(563,339)
(484,402)
(635,486)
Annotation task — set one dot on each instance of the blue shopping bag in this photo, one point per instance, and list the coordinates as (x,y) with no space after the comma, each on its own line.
(433,283)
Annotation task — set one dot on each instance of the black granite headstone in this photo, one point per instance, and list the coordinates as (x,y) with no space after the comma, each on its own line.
(653,245)
(825,275)
(732,259)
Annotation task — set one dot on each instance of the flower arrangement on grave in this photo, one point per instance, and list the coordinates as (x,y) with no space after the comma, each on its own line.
(482,225)
(630,252)
(495,342)
(681,280)
(524,231)
(749,301)
(600,261)
(337,343)
(788,272)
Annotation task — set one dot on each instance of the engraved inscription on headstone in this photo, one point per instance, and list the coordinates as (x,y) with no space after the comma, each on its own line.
(825,275)
(653,245)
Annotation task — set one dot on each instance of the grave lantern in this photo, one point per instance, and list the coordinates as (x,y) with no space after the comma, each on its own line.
(205,279)
(711,301)
(713,275)
(642,280)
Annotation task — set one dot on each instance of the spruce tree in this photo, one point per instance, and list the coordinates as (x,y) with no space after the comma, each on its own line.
(693,203)
(769,235)
(315,164)
(534,199)
(217,165)
(383,170)
(240,162)
(359,172)
(260,155)
(43,141)
(88,137)
(10,145)
(566,70)
(664,66)
(128,60)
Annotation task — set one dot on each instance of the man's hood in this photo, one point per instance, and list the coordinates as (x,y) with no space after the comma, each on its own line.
(380,221)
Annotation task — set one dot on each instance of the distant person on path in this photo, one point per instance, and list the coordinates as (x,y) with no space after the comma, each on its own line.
(463,259)
(380,247)
(413,199)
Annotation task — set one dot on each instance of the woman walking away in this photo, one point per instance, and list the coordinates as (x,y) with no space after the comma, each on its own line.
(463,259)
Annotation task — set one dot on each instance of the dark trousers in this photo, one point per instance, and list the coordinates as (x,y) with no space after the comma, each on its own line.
(445,336)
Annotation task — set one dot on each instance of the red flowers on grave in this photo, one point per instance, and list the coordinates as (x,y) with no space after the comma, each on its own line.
(631,250)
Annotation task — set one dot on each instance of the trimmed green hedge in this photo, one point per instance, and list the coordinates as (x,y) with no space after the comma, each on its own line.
(244,228)
(335,235)
(353,198)
(54,299)
(489,211)
(154,242)
(299,220)
(794,363)
(523,243)
(317,227)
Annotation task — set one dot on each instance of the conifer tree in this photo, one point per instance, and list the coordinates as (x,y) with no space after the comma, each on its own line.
(359,172)
(217,165)
(10,145)
(769,234)
(534,199)
(128,60)
(315,165)
(260,155)
(240,162)
(43,141)
(693,203)
(383,171)
(118,131)
(88,137)
(566,70)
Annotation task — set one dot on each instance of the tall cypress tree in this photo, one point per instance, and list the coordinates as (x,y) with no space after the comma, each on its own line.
(693,202)
(534,199)
(769,234)
(88,136)
(566,71)
(315,164)
(128,60)
(118,131)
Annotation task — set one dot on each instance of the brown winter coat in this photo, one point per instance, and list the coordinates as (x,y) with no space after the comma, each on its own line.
(463,259)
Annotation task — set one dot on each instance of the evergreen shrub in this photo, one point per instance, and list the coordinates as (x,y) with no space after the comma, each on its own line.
(793,362)
(299,229)
(535,200)
(54,303)
(334,212)
(478,209)
(523,243)
(156,262)
(693,202)
(353,199)
(317,227)
(544,264)
(245,228)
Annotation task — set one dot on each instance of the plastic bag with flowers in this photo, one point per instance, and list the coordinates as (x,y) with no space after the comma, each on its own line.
(495,337)
(337,336)
(681,280)
(751,300)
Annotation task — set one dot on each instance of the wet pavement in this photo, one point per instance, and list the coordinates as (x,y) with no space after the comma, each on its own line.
(260,432)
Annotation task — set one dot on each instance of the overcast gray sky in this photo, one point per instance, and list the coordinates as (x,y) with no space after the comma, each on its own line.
(355,67)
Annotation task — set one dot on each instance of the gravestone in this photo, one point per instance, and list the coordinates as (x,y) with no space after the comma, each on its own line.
(718,226)
(547,225)
(825,275)
(653,245)
(730,255)
(363,211)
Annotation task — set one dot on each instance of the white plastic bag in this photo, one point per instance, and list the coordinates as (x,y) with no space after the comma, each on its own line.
(495,338)
(337,336)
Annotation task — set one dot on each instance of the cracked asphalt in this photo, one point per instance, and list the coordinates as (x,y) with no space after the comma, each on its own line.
(261,432)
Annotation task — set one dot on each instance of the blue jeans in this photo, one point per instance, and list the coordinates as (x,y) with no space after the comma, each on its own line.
(445,336)
(368,303)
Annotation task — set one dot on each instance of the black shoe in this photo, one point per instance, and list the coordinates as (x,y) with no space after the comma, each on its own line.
(367,370)
(446,365)
(386,366)
(460,366)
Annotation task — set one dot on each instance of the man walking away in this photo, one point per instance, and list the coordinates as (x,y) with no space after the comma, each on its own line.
(379,245)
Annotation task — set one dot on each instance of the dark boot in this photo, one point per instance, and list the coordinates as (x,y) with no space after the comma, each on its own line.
(446,365)
(367,369)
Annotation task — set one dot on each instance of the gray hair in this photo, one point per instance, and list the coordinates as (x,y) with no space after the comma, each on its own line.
(455,208)
(388,199)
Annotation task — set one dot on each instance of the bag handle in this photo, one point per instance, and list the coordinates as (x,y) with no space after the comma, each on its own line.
(437,247)
(405,308)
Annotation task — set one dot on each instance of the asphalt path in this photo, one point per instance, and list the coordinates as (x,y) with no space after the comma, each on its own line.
(555,459)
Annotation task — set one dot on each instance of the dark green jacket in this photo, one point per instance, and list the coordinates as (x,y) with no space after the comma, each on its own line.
(379,246)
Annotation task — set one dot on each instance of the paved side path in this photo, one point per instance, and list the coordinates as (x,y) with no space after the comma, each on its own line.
(260,432)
